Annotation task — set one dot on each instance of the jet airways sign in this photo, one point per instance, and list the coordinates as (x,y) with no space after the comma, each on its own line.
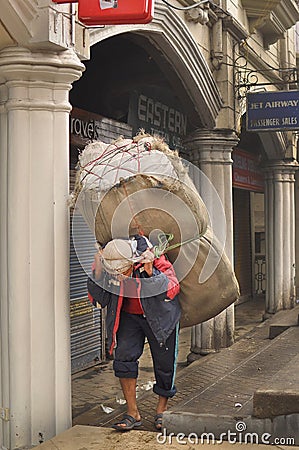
(273,111)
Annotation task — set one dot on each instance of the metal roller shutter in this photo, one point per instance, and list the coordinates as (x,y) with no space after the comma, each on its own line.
(87,327)
(87,323)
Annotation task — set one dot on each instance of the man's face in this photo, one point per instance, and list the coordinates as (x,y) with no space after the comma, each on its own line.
(122,276)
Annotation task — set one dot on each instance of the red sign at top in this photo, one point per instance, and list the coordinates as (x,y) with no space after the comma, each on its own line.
(115,12)
(65,1)
(246,173)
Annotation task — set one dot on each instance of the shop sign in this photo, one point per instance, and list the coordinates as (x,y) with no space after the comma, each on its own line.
(65,1)
(273,111)
(246,173)
(85,125)
(158,115)
(114,12)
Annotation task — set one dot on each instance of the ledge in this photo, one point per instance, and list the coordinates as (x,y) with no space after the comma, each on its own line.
(272,18)
(281,395)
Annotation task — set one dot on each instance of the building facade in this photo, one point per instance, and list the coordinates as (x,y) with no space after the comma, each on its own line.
(185,75)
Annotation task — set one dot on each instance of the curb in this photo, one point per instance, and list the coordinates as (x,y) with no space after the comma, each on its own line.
(281,430)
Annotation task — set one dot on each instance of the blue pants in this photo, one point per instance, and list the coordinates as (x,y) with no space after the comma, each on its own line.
(133,328)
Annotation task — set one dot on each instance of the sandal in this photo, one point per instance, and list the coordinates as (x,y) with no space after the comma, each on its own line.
(158,421)
(129,421)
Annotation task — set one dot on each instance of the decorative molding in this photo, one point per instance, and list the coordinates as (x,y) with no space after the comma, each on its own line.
(272,18)
(20,66)
(212,146)
(200,14)
(17,16)
(275,144)
(237,31)
(281,171)
(41,24)
(271,28)
(169,33)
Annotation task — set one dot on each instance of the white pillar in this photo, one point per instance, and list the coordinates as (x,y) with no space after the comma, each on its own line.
(297,231)
(34,238)
(211,151)
(280,235)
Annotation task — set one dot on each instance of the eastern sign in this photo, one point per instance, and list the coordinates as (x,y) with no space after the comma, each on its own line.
(273,111)
(158,114)
(246,173)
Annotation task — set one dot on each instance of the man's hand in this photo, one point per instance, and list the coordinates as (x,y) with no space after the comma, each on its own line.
(98,265)
(148,259)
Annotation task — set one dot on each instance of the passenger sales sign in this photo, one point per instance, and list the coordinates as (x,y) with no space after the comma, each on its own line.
(273,111)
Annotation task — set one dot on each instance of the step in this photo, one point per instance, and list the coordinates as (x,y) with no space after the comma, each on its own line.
(276,329)
(280,395)
(254,364)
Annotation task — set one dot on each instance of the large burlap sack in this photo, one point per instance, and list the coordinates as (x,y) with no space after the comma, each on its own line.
(137,186)
(205,290)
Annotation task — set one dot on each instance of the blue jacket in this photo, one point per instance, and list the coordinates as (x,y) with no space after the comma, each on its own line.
(158,296)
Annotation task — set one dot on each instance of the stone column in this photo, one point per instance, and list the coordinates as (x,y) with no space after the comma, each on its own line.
(280,235)
(211,151)
(34,244)
(297,231)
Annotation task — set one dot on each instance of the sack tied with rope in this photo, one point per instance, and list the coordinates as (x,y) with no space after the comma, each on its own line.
(140,186)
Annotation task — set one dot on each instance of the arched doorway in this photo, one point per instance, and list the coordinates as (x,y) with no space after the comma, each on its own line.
(146,77)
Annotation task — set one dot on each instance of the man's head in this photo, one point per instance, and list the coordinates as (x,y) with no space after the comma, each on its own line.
(117,257)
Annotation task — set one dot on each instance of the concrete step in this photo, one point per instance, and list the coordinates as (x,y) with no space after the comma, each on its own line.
(219,400)
(286,322)
(227,381)
(280,395)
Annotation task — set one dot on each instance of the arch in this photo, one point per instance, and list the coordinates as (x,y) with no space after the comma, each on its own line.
(272,144)
(168,33)
(275,144)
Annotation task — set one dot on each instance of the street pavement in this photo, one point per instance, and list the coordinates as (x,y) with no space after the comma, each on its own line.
(215,393)
(96,390)
(99,438)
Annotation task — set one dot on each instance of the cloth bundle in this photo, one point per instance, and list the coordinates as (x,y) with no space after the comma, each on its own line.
(141,186)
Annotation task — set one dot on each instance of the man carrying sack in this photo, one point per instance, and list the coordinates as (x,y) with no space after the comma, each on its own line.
(141,295)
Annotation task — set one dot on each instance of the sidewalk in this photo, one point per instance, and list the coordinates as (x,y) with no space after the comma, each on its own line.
(216,394)
(92,438)
(97,386)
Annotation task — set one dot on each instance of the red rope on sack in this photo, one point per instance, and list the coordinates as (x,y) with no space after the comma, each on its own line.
(119,166)
(138,158)
(137,224)
(106,159)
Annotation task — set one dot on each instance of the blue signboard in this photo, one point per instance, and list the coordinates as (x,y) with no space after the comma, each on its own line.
(273,111)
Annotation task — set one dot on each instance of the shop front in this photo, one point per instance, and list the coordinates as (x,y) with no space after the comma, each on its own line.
(146,85)
(88,331)
(249,225)
(149,107)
